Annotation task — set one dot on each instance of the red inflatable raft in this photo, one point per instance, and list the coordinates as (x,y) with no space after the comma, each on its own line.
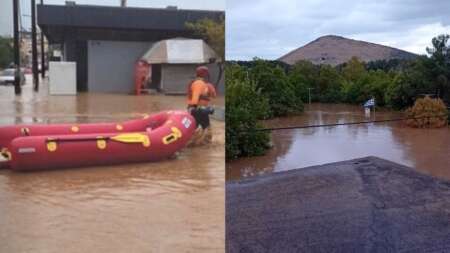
(152,138)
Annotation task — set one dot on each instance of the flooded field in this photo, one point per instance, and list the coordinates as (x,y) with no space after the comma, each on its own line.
(171,206)
(427,150)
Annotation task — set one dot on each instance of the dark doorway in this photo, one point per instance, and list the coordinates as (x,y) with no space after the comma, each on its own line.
(82,65)
(156,77)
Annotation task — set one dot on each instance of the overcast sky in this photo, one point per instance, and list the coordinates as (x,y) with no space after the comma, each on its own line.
(6,18)
(271,28)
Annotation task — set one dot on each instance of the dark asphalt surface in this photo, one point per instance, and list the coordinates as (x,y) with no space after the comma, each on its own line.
(361,205)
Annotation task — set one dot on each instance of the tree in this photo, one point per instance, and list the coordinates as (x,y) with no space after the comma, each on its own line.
(353,70)
(6,52)
(374,85)
(440,65)
(214,35)
(328,84)
(245,106)
(355,77)
(388,65)
(303,77)
(274,84)
(440,50)
(399,94)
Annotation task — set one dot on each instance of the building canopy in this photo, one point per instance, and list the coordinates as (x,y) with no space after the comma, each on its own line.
(61,23)
(180,51)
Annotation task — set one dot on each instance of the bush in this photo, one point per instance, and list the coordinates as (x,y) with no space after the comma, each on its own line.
(375,84)
(303,76)
(350,91)
(274,84)
(259,91)
(429,113)
(6,52)
(245,105)
(399,93)
(328,85)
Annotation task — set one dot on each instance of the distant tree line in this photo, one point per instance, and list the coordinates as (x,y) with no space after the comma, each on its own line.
(271,63)
(262,89)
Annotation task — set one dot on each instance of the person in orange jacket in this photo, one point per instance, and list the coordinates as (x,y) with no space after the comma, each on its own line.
(199,94)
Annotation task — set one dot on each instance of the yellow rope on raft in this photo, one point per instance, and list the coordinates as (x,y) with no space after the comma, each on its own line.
(132,138)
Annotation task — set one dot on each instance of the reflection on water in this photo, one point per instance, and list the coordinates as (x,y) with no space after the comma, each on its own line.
(425,149)
(171,206)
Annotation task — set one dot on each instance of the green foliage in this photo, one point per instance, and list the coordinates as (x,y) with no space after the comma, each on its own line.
(328,85)
(387,65)
(439,65)
(212,32)
(376,83)
(214,35)
(275,85)
(372,84)
(399,93)
(351,92)
(425,75)
(272,63)
(6,52)
(303,77)
(352,85)
(353,70)
(259,91)
(440,48)
(245,105)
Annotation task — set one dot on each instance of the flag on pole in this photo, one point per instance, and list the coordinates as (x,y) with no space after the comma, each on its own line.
(370,103)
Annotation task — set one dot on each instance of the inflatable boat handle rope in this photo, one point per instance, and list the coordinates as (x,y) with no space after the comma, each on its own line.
(125,138)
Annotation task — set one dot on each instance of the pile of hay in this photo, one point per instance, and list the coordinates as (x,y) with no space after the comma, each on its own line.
(428,113)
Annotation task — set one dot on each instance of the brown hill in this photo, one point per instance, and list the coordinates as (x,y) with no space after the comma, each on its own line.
(335,50)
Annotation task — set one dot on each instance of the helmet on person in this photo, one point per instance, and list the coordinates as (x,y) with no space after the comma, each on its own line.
(202,72)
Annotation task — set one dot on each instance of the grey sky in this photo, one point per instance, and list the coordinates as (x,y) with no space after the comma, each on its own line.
(6,19)
(271,28)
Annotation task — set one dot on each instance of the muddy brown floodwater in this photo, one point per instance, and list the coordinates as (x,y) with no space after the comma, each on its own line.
(427,150)
(170,206)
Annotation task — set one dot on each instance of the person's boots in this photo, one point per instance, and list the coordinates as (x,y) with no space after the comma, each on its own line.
(201,137)
(195,137)
(207,135)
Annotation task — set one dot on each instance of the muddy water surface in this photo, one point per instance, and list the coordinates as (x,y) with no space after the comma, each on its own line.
(427,150)
(171,206)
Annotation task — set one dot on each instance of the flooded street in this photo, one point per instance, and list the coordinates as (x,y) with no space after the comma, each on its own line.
(427,150)
(170,206)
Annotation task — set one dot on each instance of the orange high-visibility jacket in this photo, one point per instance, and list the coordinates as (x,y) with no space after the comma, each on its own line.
(198,93)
